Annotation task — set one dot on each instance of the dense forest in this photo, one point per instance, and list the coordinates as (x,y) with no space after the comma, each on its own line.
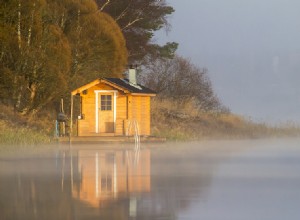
(49,47)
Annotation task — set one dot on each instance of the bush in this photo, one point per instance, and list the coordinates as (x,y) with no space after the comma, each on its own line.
(178,79)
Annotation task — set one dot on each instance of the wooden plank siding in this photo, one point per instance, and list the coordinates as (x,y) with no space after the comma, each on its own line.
(145,115)
(121,113)
(128,108)
(86,126)
(139,110)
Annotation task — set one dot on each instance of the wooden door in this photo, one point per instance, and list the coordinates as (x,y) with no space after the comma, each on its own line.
(106,113)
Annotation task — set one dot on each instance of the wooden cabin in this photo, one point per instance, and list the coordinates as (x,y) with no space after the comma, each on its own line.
(113,107)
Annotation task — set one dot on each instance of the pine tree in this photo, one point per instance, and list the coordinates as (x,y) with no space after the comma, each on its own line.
(139,19)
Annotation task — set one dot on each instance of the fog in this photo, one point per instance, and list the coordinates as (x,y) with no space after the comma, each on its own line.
(250,48)
(219,180)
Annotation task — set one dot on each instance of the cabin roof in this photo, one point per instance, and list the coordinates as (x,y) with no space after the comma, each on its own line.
(124,83)
(121,84)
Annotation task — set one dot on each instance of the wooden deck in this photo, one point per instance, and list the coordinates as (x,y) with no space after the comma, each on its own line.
(109,139)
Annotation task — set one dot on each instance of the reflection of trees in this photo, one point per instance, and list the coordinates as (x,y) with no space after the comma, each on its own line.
(32,189)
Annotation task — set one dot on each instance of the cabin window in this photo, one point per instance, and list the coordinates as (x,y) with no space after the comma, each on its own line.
(106,101)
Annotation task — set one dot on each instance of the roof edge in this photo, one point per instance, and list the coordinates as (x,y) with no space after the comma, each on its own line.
(115,85)
(86,86)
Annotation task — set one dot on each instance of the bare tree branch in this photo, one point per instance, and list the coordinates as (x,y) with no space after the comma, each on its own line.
(139,17)
(124,12)
(104,5)
(132,22)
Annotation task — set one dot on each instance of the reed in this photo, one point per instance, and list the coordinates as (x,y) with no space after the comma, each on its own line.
(18,132)
(20,137)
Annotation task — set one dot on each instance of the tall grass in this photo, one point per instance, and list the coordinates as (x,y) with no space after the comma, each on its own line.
(183,121)
(18,132)
(21,137)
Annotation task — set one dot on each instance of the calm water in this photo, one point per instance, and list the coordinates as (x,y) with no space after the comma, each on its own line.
(209,181)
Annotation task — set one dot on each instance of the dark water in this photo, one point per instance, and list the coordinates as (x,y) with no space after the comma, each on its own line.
(209,180)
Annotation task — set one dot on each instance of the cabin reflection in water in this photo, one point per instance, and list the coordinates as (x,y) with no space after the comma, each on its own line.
(104,176)
(84,184)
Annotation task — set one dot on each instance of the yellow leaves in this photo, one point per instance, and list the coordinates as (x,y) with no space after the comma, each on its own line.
(51,42)
(119,44)
(60,46)
(98,45)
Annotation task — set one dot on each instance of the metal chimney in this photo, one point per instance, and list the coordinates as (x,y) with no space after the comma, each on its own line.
(132,75)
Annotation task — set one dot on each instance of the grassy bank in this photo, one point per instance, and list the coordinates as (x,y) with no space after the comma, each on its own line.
(19,132)
(178,121)
(169,119)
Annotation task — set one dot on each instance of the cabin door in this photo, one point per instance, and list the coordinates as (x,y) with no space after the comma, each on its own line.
(106,112)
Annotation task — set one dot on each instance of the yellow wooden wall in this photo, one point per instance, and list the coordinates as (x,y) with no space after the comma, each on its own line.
(121,113)
(129,108)
(139,110)
(86,126)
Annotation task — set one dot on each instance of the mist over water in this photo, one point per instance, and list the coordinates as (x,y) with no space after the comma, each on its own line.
(256,179)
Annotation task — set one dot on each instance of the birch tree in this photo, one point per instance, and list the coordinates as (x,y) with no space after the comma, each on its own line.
(49,46)
(98,45)
(32,70)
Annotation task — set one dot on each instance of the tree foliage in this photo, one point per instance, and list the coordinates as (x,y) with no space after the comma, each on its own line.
(98,45)
(180,80)
(139,19)
(48,47)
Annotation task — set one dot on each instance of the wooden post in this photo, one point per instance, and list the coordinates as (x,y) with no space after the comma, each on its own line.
(71,120)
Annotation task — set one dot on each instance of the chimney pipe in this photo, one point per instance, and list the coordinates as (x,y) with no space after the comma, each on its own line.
(132,75)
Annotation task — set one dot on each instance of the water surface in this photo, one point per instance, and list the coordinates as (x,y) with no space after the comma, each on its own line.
(214,180)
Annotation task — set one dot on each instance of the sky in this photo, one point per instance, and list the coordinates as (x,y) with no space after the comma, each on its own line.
(251,49)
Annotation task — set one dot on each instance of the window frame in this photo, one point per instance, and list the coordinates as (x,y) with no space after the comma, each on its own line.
(106,102)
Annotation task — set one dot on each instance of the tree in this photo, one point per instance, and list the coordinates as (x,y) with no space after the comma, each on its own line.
(35,59)
(48,47)
(178,79)
(139,19)
(98,45)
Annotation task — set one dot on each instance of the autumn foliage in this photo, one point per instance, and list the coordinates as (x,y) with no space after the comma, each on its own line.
(49,47)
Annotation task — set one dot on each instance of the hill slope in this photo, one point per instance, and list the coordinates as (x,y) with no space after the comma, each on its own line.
(184,122)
